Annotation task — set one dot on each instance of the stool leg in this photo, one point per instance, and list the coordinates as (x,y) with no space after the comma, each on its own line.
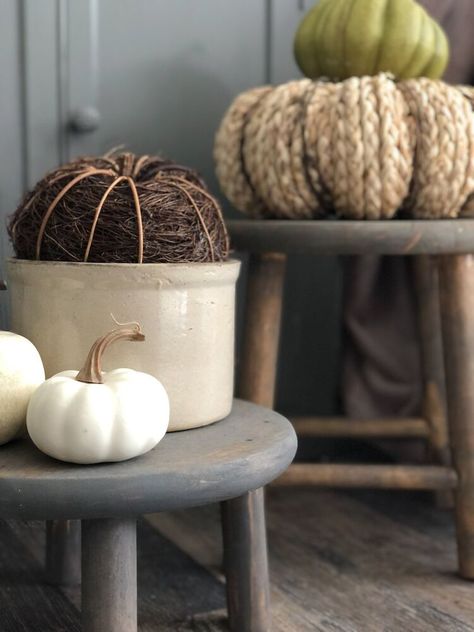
(262,328)
(63,552)
(109,575)
(431,351)
(457,311)
(246,564)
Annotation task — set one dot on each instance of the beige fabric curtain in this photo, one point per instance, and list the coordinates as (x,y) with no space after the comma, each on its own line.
(381,367)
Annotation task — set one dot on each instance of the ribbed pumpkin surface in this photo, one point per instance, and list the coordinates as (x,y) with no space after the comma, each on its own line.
(345,38)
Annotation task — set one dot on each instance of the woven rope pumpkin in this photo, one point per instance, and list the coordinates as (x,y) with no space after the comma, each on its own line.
(363,148)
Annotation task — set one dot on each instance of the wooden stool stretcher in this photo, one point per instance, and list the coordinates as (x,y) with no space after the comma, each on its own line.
(439,247)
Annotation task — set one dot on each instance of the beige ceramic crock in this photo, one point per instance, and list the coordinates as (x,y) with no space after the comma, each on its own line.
(186,311)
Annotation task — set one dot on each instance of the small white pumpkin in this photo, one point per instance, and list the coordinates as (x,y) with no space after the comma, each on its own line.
(93,417)
(21,372)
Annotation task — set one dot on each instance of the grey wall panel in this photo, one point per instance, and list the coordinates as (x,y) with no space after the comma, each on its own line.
(11,138)
(161,74)
(40,30)
(80,78)
(311,339)
(29,107)
(284,18)
(167,71)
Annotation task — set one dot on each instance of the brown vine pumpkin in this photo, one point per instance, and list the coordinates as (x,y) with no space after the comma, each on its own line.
(120,208)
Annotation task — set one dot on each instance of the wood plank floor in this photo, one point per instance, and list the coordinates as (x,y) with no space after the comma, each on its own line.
(358,562)
(173,589)
(340,562)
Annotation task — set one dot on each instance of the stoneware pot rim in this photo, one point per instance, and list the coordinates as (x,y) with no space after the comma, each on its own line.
(193,264)
(108,275)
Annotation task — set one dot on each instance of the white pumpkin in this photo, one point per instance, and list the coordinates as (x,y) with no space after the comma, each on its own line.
(21,372)
(93,417)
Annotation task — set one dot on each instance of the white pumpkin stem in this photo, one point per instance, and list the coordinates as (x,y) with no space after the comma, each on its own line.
(91,372)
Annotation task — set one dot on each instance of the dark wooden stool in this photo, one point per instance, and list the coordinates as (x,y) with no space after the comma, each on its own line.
(229,461)
(443,251)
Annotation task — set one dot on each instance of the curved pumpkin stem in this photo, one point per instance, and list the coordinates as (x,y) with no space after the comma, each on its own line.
(91,372)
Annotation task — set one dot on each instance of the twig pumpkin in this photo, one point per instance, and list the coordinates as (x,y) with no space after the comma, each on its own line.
(120,208)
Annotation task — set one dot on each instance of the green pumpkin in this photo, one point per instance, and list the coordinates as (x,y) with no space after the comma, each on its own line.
(346,38)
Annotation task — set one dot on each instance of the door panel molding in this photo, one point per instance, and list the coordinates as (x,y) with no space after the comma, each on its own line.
(284,18)
(82,78)
(39,32)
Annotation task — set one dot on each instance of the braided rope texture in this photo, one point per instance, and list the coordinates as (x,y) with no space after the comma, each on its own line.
(364,148)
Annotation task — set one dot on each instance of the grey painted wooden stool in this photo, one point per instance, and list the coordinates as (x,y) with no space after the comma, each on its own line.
(229,461)
(443,257)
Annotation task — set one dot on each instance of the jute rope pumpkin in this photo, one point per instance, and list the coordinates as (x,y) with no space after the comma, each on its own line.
(363,148)
(120,208)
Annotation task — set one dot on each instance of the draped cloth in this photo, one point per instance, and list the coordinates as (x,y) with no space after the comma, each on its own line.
(381,374)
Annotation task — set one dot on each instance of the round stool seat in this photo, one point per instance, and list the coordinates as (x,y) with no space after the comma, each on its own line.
(245,451)
(350,237)
(443,289)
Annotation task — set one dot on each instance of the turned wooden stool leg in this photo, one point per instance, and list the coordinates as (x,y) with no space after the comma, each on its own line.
(243,519)
(63,552)
(432,364)
(246,564)
(457,311)
(262,328)
(109,575)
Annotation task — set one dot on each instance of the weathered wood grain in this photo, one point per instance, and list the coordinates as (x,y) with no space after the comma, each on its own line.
(426,285)
(246,563)
(206,548)
(344,427)
(350,562)
(375,476)
(27,601)
(358,562)
(245,451)
(174,592)
(457,312)
(63,552)
(109,575)
(216,463)
(266,275)
(346,237)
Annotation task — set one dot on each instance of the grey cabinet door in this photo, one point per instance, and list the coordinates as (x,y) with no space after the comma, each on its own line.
(284,18)
(12,137)
(83,76)
(31,39)
(310,349)
(160,74)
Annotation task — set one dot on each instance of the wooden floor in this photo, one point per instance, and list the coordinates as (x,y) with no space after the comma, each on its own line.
(340,562)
